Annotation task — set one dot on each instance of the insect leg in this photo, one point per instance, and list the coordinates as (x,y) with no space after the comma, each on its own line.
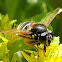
(45,46)
(19,36)
(40,48)
(28,43)
(49,41)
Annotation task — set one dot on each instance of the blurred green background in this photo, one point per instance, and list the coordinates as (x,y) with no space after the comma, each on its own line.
(24,10)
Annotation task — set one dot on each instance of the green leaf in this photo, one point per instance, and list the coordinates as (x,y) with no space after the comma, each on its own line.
(3,47)
(13,21)
(1,40)
(5,20)
(27,57)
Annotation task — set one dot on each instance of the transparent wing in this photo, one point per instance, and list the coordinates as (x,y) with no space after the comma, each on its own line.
(14,31)
(47,20)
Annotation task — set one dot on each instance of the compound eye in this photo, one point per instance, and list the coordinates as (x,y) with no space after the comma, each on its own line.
(49,36)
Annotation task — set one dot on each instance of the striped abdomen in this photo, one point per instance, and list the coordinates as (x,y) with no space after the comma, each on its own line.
(25,26)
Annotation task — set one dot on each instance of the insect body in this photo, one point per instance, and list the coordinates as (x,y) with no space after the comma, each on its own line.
(39,32)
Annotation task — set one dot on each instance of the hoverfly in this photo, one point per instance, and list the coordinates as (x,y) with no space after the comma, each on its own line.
(38,32)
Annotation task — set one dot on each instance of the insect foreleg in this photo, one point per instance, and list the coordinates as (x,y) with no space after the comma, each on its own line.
(40,48)
(28,43)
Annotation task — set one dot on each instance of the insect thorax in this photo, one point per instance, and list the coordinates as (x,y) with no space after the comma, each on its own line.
(37,30)
(40,32)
